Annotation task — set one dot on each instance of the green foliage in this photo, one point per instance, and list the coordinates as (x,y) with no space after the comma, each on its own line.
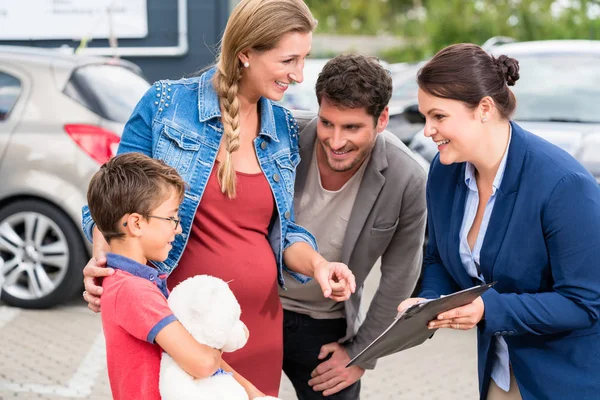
(403,54)
(356,16)
(429,25)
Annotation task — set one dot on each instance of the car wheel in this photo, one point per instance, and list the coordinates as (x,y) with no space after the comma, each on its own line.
(42,255)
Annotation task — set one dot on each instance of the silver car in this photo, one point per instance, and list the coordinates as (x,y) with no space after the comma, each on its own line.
(61,116)
(558,97)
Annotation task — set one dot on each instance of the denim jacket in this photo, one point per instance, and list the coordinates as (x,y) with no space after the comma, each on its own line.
(179,122)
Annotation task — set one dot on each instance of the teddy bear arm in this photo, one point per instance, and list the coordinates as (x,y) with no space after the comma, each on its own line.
(237,337)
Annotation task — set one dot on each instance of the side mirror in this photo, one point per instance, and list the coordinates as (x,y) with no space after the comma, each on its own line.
(412,114)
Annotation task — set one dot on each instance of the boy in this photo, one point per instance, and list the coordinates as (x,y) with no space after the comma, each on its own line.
(134,201)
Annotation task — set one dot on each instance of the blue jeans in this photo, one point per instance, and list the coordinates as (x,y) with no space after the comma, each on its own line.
(303,337)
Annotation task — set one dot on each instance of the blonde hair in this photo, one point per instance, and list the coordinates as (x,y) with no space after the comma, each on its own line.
(256,25)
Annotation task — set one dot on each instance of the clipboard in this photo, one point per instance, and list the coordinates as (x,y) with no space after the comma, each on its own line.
(409,328)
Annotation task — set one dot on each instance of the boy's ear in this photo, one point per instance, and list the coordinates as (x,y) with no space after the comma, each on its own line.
(132,224)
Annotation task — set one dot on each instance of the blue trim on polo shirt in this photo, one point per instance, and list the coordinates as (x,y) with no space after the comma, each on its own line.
(221,371)
(159,326)
(134,268)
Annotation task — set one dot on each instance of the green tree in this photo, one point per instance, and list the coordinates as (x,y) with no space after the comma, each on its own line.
(429,25)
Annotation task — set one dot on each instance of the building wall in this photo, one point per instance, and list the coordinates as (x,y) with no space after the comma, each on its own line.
(206,22)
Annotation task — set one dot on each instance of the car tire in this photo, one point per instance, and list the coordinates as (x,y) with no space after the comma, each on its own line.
(43,255)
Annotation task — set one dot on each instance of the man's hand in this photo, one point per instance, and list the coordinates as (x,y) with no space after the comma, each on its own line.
(336,280)
(93,273)
(465,317)
(332,375)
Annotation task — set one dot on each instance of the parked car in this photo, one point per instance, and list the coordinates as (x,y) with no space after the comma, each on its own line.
(558,97)
(302,96)
(61,116)
(403,122)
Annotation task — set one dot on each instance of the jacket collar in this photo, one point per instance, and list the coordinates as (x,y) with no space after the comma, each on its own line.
(470,170)
(514,160)
(209,108)
(501,215)
(372,183)
(134,268)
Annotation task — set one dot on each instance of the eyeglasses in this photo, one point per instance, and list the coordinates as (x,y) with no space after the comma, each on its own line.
(172,219)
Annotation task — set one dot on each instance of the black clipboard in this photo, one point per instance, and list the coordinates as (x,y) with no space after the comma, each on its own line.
(409,329)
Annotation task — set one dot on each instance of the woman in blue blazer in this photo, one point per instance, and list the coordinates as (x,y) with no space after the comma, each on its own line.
(506,206)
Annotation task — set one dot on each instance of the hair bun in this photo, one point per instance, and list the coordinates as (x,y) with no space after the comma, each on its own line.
(509,67)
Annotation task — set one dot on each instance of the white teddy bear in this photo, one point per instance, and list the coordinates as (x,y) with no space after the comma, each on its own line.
(207,308)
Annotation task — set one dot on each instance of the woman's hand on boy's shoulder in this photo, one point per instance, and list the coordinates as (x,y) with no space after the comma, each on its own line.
(93,273)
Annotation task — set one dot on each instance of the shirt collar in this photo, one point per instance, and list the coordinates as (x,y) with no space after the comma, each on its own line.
(134,268)
(208,106)
(470,169)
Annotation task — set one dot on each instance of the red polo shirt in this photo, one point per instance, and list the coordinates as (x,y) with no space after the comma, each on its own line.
(134,310)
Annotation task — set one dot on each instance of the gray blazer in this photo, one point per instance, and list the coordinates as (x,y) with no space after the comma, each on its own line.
(388,221)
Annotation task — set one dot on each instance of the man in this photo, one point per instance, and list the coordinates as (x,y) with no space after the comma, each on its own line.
(362,195)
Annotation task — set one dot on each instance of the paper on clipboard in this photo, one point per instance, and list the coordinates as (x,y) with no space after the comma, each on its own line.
(409,328)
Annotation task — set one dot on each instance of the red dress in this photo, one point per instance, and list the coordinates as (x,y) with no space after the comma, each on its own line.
(229,240)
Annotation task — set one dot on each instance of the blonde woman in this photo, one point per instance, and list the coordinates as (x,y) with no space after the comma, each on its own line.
(238,153)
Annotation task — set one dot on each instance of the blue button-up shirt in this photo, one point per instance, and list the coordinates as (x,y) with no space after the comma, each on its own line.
(470,258)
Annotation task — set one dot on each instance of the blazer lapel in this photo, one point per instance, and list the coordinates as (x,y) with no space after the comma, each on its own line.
(306,144)
(453,244)
(372,183)
(505,201)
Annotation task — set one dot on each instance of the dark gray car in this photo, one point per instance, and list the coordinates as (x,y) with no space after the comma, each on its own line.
(61,116)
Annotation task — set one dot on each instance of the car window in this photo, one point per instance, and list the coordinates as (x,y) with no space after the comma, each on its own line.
(111,91)
(10,89)
(405,85)
(407,89)
(545,92)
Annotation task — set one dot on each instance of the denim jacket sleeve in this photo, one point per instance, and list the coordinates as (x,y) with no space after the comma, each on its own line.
(137,137)
(295,234)
(87,223)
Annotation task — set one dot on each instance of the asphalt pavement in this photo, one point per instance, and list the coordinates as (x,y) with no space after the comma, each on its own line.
(59,354)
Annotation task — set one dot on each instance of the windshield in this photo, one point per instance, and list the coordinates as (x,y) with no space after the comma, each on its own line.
(405,84)
(558,87)
(112,91)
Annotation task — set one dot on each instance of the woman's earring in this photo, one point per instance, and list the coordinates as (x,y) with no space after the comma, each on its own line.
(484,118)
(246,64)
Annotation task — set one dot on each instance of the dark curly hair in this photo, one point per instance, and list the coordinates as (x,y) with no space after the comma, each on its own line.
(355,81)
(465,72)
